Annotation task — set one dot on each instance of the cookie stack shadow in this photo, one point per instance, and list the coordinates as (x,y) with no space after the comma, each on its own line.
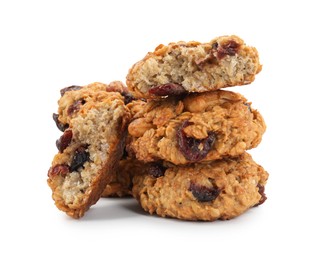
(181,143)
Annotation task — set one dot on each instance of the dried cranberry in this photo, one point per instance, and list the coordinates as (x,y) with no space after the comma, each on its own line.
(75,106)
(60,126)
(156,170)
(215,45)
(230,48)
(79,158)
(169,89)
(71,88)
(59,169)
(63,142)
(203,193)
(210,59)
(127,97)
(189,146)
(263,195)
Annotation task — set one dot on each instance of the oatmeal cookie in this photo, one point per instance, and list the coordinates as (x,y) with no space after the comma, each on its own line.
(120,184)
(194,67)
(220,189)
(199,127)
(94,123)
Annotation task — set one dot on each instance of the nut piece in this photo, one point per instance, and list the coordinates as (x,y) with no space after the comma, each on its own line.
(138,127)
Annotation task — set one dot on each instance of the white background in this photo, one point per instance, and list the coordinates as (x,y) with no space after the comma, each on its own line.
(45,46)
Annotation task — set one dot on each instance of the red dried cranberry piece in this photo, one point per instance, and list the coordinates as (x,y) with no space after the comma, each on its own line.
(210,59)
(189,146)
(63,142)
(60,126)
(169,89)
(263,195)
(79,158)
(203,193)
(128,98)
(59,169)
(215,45)
(156,170)
(71,88)
(75,106)
(230,48)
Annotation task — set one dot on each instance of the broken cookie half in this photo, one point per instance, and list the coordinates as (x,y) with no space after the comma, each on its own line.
(184,67)
(94,120)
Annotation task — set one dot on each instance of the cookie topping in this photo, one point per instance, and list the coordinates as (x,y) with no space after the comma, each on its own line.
(64,141)
(156,170)
(71,88)
(230,48)
(215,45)
(79,158)
(127,97)
(263,195)
(203,193)
(75,106)
(191,148)
(59,169)
(60,126)
(169,89)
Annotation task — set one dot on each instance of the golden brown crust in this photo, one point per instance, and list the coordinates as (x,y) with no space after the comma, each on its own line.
(98,124)
(221,115)
(121,183)
(208,191)
(198,67)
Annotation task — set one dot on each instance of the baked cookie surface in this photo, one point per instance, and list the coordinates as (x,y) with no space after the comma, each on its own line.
(220,189)
(120,184)
(199,127)
(94,122)
(194,67)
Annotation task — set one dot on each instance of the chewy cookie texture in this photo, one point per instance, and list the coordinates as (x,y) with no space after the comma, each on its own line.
(194,67)
(94,122)
(199,127)
(120,184)
(221,189)
(173,139)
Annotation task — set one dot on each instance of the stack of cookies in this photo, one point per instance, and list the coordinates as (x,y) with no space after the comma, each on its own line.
(185,139)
